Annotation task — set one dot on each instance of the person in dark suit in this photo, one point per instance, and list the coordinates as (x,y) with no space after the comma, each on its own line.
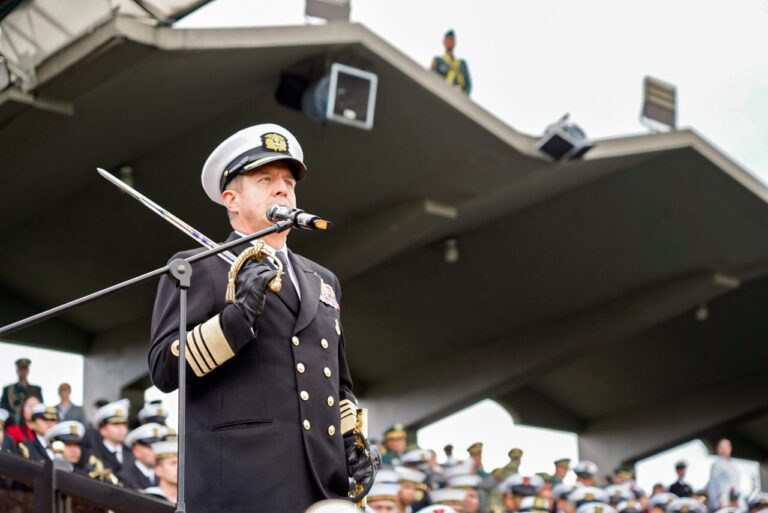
(681,487)
(271,429)
(67,410)
(141,474)
(112,422)
(15,394)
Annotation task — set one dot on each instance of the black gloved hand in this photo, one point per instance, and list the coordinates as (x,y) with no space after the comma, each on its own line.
(251,289)
(362,464)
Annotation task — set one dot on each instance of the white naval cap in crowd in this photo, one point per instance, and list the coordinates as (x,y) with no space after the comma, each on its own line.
(619,493)
(383,491)
(519,484)
(631,506)
(534,505)
(152,411)
(387,475)
(586,468)
(661,500)
(447,496)
(69,431)
(586,494)
(333,506)
(166,449)
(465,481)
(460,469)
(41,411)
(146,434)
(595,507)
(245,151)
(113,413)
(686,505)
(410,475)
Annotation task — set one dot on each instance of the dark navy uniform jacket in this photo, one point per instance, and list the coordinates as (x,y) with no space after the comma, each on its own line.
(263,405)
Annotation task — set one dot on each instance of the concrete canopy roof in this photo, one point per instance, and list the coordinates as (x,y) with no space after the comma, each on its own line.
(557,260)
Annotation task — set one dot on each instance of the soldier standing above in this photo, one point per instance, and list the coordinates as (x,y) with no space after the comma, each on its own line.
(681,488)
(15,394)
(454,70)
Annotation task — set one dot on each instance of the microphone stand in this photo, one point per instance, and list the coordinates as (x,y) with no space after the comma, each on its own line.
(180,270)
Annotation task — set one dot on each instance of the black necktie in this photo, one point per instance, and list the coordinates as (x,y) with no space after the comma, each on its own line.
(289,290)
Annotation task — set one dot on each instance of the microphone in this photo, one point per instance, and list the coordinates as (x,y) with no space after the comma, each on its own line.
(300,218)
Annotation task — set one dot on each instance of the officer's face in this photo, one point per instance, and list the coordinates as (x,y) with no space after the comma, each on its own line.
(270,184)
(407,493)
(72,453)
(383,506)
(115,433)
(41,426)
(23,373)
(144,454)
(449,43)
(397,445)
(166,469)
(471,502)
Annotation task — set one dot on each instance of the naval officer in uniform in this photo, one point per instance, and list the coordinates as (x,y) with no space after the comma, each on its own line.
(270,406)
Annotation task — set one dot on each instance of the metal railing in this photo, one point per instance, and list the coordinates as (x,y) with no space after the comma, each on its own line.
(53,490)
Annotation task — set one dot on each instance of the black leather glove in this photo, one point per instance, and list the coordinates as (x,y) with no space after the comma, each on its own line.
(362,464)
(251,292)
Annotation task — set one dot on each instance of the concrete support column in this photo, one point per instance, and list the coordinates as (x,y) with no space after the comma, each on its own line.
(119,358)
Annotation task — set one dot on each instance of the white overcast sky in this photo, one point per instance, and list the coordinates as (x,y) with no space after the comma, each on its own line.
(531,61)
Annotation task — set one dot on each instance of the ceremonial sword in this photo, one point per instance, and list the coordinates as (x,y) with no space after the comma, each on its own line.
(227,256)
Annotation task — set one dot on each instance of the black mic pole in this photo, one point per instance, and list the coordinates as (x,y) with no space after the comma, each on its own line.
(181,271)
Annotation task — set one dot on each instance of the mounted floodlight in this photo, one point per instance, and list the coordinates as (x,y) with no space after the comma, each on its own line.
(346,95)
(564,140)
(659,103)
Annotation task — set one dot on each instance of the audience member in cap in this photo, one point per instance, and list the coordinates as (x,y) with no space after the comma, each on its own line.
(470,483)
(560,494)
(15,394)
(112,422)
(438,508)
(153,413)
(395,442)
(382,497)
(562,466)
(454,71)
(42,419)
(141,473)
(622,474)
(166,470)
(586,472)
(69,436)
(476,455)
(680,487)
(411,493)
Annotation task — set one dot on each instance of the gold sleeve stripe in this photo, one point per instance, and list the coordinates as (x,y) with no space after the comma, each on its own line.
(192,361)
(208,354)
(348,416)
(202,351)
(215,340)
(194,352)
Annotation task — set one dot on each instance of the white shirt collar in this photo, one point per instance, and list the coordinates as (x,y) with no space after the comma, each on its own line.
(112,447)
(148,472)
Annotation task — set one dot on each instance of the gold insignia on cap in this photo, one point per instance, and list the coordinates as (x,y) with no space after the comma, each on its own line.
(73,429)
(155,433)
(684,508)
(118,413)
(274,142)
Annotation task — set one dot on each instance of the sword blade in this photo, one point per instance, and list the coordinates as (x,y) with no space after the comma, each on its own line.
(198,236)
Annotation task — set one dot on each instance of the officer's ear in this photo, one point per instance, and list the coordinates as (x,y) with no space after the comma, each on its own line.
(231,200)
